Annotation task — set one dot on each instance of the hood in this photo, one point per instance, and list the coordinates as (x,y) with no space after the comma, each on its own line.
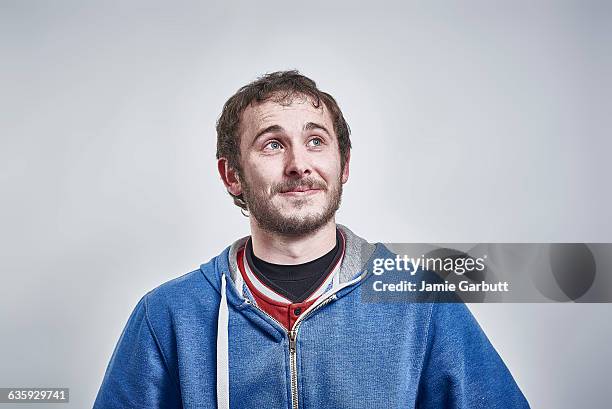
(357,253)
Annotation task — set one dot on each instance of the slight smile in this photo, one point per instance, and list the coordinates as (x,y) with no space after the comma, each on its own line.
(306,192)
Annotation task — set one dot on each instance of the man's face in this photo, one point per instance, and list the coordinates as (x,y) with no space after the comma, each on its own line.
(291,176)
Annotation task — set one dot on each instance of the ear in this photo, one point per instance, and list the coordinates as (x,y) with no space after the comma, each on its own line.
(345,172)
(229,176)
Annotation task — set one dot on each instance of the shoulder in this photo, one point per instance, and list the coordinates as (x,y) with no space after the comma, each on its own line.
(195,292)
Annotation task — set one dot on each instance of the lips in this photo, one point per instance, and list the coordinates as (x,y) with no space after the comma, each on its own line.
(301,191)
(306,187)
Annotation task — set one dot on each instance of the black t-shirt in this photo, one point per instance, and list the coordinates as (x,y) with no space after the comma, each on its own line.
(297,281)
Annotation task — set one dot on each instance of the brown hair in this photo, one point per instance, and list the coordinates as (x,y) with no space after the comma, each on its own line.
(282,87)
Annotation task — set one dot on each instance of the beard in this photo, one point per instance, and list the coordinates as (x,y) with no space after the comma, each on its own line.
(269,217)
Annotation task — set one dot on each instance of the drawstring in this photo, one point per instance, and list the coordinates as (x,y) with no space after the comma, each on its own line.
(222,349)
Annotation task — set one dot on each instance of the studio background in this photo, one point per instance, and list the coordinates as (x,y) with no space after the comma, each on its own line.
(471,121)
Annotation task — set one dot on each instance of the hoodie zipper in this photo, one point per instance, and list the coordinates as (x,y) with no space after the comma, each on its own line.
(292,335)
(293,368)
(293,351)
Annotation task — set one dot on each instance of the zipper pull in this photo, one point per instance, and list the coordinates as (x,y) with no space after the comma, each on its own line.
(292,340)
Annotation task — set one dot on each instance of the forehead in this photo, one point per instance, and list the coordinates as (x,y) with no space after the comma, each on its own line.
(288,114)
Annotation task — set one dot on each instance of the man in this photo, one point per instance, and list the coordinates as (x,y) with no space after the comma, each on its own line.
(298,334)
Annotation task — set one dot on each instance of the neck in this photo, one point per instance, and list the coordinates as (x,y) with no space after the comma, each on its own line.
(287,250)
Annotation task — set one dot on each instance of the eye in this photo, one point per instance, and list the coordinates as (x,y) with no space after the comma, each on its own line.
(273,145)
(316,142)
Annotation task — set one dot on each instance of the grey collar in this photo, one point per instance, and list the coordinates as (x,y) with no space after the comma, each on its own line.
(357,253)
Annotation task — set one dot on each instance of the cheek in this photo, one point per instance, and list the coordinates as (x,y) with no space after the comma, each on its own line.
(259,177)
(329,168)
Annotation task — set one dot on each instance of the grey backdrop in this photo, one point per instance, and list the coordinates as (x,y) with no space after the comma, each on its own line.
(472,121)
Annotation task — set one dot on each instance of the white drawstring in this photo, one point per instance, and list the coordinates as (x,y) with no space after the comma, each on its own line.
(222,350)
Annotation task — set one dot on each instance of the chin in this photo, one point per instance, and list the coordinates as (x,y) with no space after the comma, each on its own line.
(299,214)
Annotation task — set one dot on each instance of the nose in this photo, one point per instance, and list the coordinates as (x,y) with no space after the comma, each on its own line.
(296,163)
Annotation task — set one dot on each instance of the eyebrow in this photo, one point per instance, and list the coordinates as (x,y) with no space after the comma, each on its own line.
(309,126)
(270,129)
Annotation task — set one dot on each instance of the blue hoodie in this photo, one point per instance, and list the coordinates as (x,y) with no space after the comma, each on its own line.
(342,353)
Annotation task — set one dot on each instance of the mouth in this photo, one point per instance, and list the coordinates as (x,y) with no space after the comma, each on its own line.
(301,191)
